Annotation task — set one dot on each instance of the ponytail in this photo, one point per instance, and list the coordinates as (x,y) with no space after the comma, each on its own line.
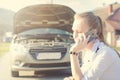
(94,22)
(100,29)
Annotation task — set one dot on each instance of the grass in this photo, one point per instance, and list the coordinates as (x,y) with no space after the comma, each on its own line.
(4,48)
(117,48)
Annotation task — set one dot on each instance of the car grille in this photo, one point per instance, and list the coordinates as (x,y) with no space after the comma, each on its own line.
(35,65)
(35,52)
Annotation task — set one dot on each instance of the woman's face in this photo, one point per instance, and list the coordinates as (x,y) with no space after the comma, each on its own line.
(80,26)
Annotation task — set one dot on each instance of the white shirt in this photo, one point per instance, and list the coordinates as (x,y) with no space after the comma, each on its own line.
(101,63)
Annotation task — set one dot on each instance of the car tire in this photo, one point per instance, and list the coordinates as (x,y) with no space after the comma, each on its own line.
(15,73)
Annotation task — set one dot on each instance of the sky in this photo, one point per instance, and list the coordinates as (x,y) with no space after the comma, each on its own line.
(76,5)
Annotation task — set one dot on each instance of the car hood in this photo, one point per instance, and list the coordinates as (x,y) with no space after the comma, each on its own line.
(43,16)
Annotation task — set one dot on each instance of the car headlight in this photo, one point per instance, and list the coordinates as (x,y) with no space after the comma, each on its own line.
(18,48)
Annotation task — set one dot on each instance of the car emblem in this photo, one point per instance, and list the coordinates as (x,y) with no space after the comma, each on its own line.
(51,43)
(48,44)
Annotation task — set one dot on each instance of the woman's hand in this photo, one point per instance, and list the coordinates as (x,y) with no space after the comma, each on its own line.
(69,78)
(80,43)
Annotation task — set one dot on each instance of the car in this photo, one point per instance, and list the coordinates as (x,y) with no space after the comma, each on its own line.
(42,38)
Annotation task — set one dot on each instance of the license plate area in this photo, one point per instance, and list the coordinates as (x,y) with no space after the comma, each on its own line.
(48,55)
(26,73)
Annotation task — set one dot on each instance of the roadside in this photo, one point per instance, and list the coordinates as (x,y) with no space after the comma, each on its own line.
(4,67)
(4,48)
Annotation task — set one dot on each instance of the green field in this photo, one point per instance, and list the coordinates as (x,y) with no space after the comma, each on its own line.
(117,48)
(4,48)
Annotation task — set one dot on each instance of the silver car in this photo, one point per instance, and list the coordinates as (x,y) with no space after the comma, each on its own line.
(42,38)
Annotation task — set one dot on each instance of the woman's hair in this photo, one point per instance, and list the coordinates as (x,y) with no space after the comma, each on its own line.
(93,22)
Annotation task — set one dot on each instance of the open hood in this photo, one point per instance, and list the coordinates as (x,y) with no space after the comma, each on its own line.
(43,16)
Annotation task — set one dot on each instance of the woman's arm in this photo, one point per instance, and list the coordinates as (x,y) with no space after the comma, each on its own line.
(75,67)
(79,45)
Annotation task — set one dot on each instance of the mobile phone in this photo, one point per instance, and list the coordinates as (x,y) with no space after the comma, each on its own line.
(92,35)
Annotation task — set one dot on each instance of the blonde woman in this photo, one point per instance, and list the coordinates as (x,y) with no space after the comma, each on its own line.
(100,62)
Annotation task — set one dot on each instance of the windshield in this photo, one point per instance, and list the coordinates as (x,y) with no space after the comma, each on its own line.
(44,31)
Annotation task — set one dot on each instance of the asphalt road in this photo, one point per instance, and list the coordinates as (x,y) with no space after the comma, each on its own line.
(5,72)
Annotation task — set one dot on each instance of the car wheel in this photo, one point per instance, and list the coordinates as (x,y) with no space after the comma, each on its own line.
(15,73)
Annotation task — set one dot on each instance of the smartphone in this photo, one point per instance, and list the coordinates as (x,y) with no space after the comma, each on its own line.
(92,35)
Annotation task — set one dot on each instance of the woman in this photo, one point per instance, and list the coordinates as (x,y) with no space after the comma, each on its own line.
(100,62)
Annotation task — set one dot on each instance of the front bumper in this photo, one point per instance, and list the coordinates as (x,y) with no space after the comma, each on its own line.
(41,67)
(28,62)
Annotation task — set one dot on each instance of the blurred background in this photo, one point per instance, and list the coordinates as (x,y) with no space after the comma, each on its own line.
(102,8)
(8,8)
